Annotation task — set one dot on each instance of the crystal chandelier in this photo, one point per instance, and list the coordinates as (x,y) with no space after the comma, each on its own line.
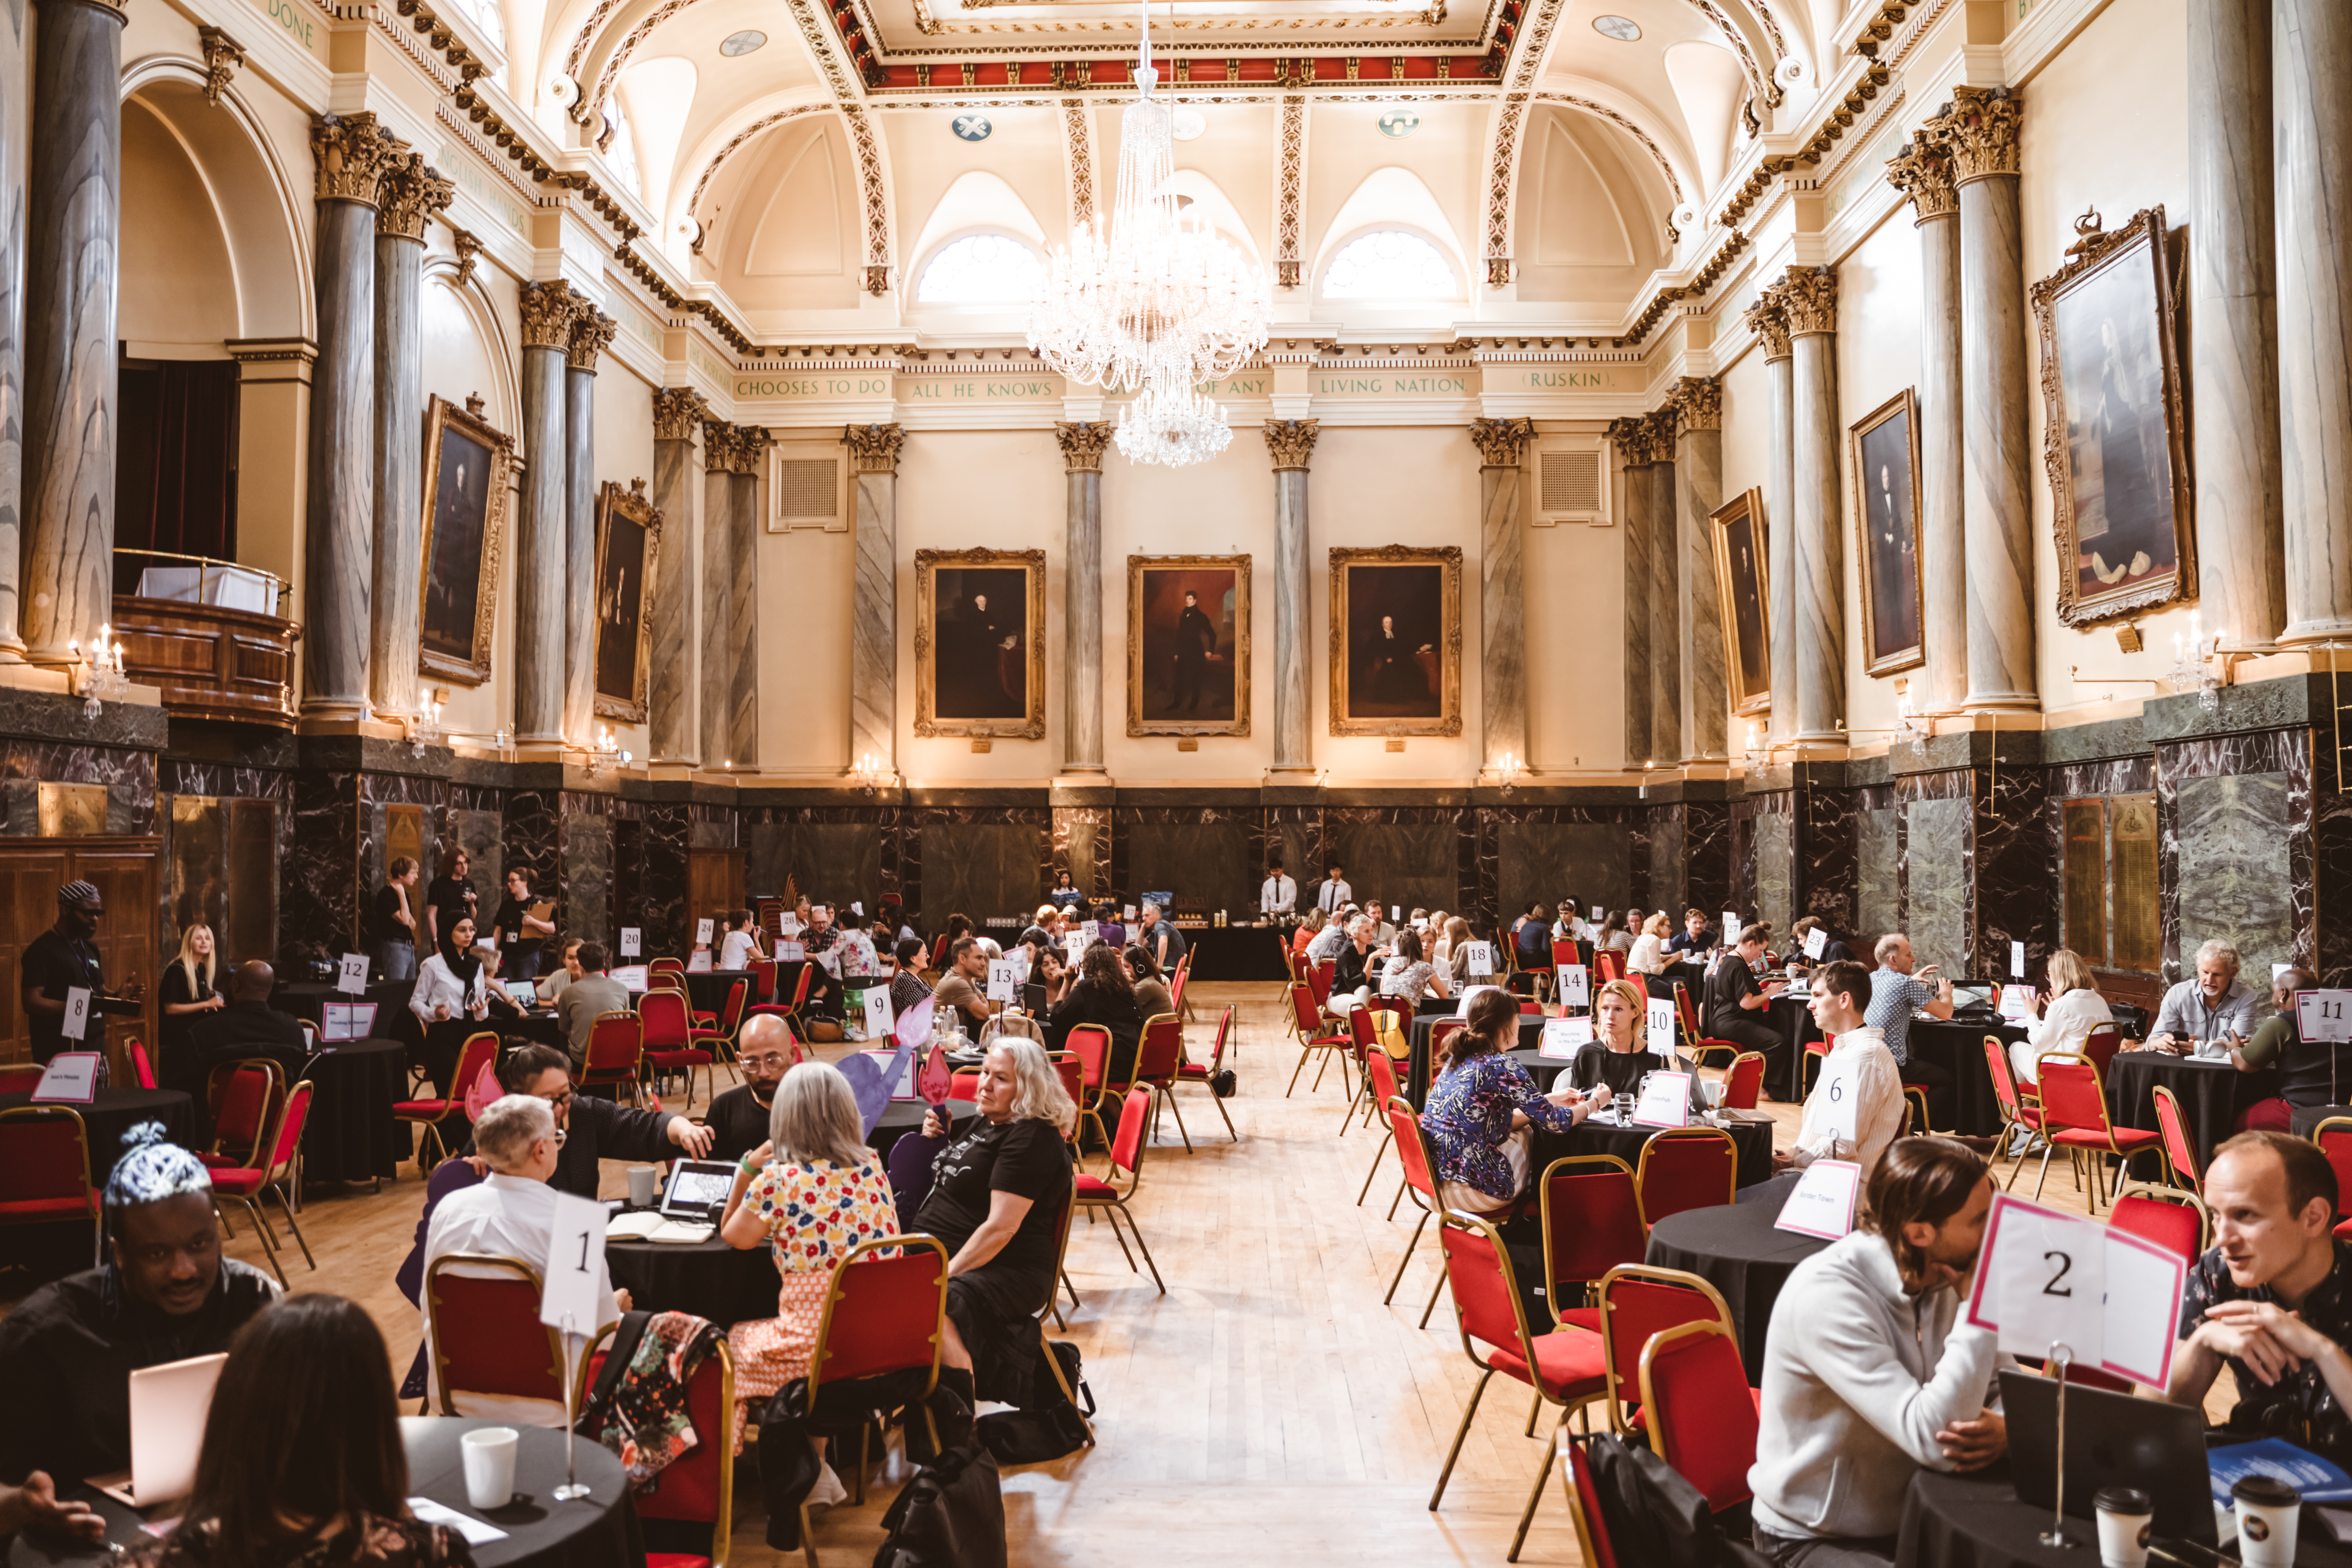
(1144,299)
(1172,425)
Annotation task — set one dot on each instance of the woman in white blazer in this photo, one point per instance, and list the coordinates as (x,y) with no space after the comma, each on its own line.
(452,995)
(2063,1017)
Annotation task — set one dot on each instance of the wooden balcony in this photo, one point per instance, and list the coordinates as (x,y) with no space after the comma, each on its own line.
(211,662)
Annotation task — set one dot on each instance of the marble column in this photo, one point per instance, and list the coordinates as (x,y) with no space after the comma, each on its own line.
(1770,324)
(2233,339)
(1810,303)
(16,91)
(1665,596)
(73,183)
(1924,173)
(670,684)
(718,558)
(752,444)
(1698,491)
(1291,442)
(874,613)
(591,333)
(1503,594)
(543,532)
(1979,135)
(2311,61)
(410,193)
(1082,592)
(1630,439)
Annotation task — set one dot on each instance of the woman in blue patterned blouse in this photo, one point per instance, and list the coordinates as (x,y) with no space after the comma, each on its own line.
(1479,1111)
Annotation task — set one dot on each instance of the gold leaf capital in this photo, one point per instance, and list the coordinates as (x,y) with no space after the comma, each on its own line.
(591,334)
(547,312)
(1698,401)
(1291,442)
(1809,299)
(1082,445)
(873,448)
(1766,320)
(1979,132)
(1923,173)
(407,195)
(1502,443)
(352,151)
(676,411)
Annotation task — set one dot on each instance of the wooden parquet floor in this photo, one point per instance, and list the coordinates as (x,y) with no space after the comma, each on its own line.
(1267,1406)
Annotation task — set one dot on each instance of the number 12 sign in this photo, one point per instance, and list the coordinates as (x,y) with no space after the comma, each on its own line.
(2045,1277)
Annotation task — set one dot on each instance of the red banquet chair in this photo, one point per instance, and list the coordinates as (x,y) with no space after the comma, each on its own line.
(1700,1411)
(142,1066)
(1383,1073)
(480,1050)
(1307,1026)
(274,1173)
(719,1033)
(2334,1137)
(1192,1072)
(1743,1081)
(1639,1301)
(2017,1109)
(617,1048)
(884,1310)
(1591,1208)
(1593,1543)
(44,1169)
(1413,1153)
(2074,1114)
(697,1488)
(700,1049)
(483,1311)
(2174,1220)
(1157,1060)
(2179,1149)
(1127,1152)
(243,1096)
(22,1080)
(1686,1168)
(1695,1043)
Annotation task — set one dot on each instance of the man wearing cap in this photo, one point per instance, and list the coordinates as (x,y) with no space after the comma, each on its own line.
(63,959)
(164,1294)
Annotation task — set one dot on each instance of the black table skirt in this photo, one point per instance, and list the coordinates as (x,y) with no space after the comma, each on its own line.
(307,998)
(1753,1140)
(351,1135)
(1976,1521)
(1959,1049)
(1238,952)
(1735,1249)
(1784,1074)
(708,992)
(1416,1075)
(708,1278)
(2208,1092)
(114,1112)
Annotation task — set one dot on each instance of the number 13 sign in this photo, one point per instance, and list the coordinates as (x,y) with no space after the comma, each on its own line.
(2047,1277)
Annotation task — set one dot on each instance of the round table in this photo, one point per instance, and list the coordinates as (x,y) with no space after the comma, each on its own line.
(1416,1075)
(114,1111)
(1751,1140)
(1976,1521)
(2208,1092)
(307,998)
(707,992)
(1735,1249)
(905,1116)
(351,1135)
(1958,1046)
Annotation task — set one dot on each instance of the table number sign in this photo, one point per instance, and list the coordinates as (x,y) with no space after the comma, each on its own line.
(1003,980)
(1817,942)
(2047,1277)
(77,1022)
(1482,959)
(788,952)
(2324,1016)
(702,930)
(632,941)
(2017,960)
(1823,1200)
(878,1011)
(1575,986)
(1665,1100)
(340,1023)
(351,975)
(1837,1093)
(1599,914)
(70,1078)
(632,978)
(1091,929)
(1661,1026)
(2016,1003)
(1563,1037)
(1470,995)
(790,925)
(571,1300)
(1730,927)
(698,961)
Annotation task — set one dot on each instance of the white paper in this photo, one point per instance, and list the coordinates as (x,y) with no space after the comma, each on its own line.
(1091,929)
(476,1532)
(2324,1016)
(573,1267)
(1665,1100)
(1003,980)
(1661,1026)
(2016,1003)
(790,952)
(857,909)
(351,975)
(1599,914)
(1470,995)
(1575,986)
(698,961)
(2144,1283)
(1130,912)
(878,1012)
(702,930)
(1731,928)
(1019,959)
(76,1021)
(790,925)
(1838,1094)
(2049,1280)
(905,1088)
(342,1022)
(1075,947)
(632,941)
(1482,959)
(1396,911)
(2017,960)
(70,1078)
(1563,1037)
(1823,1201)
(632,977)
(1817,942)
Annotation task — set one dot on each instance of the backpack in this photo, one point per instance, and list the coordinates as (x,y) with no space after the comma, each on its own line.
(1050,1425)
(951,1515)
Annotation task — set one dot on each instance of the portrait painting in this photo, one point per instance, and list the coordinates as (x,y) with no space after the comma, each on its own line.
(467,469)
(1746,593)
(2114,446)
(1396,641)
(628,546)
(1188,645)
(980,643)
(1885,444)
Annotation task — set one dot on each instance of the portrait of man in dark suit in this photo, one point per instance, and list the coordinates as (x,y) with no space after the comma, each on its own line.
(453,570)
(1184,666)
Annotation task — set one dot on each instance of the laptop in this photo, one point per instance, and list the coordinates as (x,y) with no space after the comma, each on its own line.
(1971,996)
(694,1186)
(2112,1440)
(523,993)
(169,1404)
(1033,998)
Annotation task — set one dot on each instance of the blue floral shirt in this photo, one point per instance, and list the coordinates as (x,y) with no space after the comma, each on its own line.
(1469,1116)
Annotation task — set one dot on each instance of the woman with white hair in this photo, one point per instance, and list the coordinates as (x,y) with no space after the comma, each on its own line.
(810,1193)
(2208,1014)
(998,1197)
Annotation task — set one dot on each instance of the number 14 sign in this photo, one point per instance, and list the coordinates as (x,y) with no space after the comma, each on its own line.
(2047,1277)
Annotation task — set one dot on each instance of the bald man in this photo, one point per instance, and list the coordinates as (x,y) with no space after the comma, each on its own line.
(250,1025)
(738,1118)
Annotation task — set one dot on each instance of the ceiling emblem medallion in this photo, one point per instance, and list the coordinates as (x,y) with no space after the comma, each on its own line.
(972,127)
(738,44)
(1624,29)
(1399,123)
(1190,124)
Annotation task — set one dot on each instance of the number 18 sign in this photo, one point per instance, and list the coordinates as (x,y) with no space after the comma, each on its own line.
(2046,1277)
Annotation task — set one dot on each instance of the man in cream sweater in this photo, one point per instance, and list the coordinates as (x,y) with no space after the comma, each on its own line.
(1868,1374)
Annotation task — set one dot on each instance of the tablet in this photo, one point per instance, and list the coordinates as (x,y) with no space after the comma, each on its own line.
(695,1185)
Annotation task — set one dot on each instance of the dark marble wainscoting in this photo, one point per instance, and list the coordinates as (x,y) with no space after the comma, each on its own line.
(482,835)
(1669,869)
(660,892)
(531,837)
(827,852)
(1082,847)
(586,834)
(1208,856)
(319,891)
(1295,833)
(1825,854)
(127,777)
(1552,854)
(1771,822)
(1878,895)
(2235,834)
(1707,854)
(980,861)
(2014,882)
(1937,846)
(1407,856)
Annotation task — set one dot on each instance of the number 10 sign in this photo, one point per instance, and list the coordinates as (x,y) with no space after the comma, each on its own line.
(2047,1277)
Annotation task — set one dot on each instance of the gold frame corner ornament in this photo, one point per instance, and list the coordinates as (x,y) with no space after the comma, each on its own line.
(440,414)
(1749,506)
(1907,403)
(2091,253)
(929,725)
(1239,724)
(612,497)
(1449,559)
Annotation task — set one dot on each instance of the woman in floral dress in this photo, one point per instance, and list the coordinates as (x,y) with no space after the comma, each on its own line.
(813,1192)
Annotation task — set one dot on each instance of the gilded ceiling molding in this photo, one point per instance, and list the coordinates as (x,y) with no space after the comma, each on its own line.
(1292,171)
(1502,163)
(872,187)
(765,121)
(1291,442)
(1502,443)
(1531,46)
(676,411)
(1760,85)
(1979,132)
(1924,173)
(873,448)
(1674,181)
(223,55)
(1078,159)
(1083,444)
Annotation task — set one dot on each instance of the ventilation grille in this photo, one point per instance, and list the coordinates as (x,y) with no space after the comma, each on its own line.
(1571,483)
(808,489)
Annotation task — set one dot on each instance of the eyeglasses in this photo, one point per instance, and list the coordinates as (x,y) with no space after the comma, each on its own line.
(557,1101)
(772,1062)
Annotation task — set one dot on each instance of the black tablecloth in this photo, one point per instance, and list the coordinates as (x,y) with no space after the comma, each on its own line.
(306,998)
(2208,1093)
(1976,1521)
(1690,973)
(115,1112)
(1238,952)
(1416,1072)
(1753,1140)
(1959,1049)
(708,992)
(1784,1074)
(1735,1249)
(351,1136)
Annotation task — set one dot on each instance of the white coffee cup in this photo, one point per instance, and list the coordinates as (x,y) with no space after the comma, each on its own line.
(2268,1511)
(641,1186)
(1714,1088)
(489,1453)
(2126,1520)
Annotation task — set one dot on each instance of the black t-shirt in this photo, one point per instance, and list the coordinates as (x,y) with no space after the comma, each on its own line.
(1151,940)
(176,990)
(56,963)
(452,899)
(387,910)
(1025,1157)
(513,941)
(737,1122)
(1732,980)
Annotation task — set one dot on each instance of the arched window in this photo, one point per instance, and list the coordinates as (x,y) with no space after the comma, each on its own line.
(981,270)
(620,151)
(1389,264)
(485,13)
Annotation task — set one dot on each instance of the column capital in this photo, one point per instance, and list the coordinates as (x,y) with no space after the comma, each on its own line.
(410,191)
(352,153)
(591,334)
(751,440)
(1978,131)
(223,55)
(1923,173)
(676,411)
(873,448)
(1502,443)
(1767,321)
(547,312)
(718,447)
(1082,445)
(1636,439)
(1809,299)
(1697,400)
(1291,442)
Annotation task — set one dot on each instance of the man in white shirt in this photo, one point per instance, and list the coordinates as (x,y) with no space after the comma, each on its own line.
(1870,1376)
(511,1214)
(1331,894)
(1857,1107)
(1279,896)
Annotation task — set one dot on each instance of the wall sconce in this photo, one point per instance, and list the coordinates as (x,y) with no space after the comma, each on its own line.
(1508,769)
(870,776)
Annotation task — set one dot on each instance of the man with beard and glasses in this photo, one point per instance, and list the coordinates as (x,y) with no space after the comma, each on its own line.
(738,1118)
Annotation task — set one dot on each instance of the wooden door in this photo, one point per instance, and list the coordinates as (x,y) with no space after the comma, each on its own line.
(714,884)
(123,870)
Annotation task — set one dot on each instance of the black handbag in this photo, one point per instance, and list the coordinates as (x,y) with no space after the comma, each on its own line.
(951,1515)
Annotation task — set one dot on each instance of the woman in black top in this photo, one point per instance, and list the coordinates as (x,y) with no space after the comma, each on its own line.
(1619,1057)
(998,1197)
(1103,996)
(186,994)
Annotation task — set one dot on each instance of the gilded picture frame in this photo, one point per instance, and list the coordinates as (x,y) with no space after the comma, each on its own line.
(970,655)
(2114,440)
(1743,583)
(1396,641)
(464,532)
(1177,684)
(628,558)
(1885,448)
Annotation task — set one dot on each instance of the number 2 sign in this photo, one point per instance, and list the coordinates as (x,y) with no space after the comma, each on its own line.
(2046,1277)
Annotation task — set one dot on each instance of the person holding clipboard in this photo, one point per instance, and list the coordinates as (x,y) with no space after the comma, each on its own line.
(64,959)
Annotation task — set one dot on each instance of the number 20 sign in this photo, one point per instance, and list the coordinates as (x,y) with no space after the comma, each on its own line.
(2045,1277)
